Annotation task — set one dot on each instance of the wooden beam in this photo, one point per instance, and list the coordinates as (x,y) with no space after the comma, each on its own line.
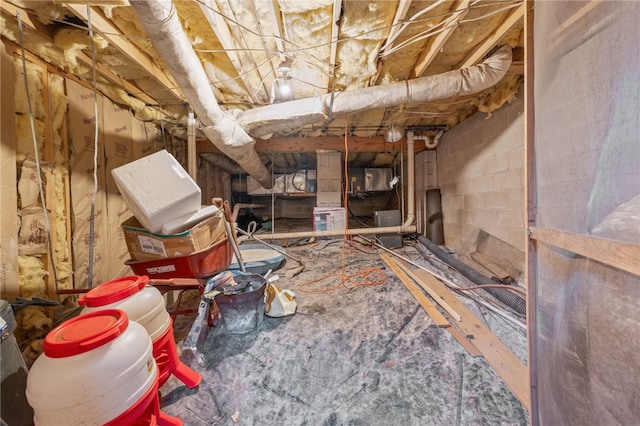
(425,282)
(114,36)
(621,255)
(436,42)
(430,309)
(487,44)
(26,19)
(531,258)
(396,28)
(335,32)
(82,58)
(422,299)
(311,144)
(464,342)
(277,32)
(221,29)
(513,372)
(131,89)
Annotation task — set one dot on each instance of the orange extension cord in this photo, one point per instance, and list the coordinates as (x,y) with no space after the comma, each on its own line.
(365,277)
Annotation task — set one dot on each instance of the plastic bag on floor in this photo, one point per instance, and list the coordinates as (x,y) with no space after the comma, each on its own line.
(279,303)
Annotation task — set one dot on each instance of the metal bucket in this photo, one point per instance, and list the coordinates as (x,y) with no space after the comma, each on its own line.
(243,312)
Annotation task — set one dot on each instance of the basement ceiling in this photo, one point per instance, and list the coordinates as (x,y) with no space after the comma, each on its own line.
(329,46)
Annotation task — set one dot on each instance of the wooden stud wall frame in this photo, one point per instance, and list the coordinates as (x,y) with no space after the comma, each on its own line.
(618,254)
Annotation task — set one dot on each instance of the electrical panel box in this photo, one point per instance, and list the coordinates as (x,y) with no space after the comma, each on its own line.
(356,181)
(384,218)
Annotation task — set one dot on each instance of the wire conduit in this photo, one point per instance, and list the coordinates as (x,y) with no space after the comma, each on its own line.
(507,297)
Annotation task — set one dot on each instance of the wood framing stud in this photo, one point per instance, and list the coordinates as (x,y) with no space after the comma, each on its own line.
(621,255)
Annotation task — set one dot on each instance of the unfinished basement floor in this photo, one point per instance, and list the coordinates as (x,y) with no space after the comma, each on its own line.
(368,356)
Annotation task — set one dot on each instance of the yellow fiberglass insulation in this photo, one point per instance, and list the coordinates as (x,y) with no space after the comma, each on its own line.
(24,134)
(34,80)
(33,318)
(505,91)
(48,11)
(73,41)
(31,275)
(24,137)
(59,107)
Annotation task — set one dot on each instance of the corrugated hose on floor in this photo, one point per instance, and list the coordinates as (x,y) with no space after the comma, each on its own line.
(514,301)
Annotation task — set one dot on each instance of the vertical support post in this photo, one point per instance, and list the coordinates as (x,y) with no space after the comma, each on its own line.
(530,210)
(191,147)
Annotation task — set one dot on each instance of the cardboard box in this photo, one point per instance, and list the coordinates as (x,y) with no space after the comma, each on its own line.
(146,245)
(329,219)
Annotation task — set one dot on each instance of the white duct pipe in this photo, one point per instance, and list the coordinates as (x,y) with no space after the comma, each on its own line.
(222,162)
(160,20)
(407,227)
(433,142)
(230,134)
(285,116)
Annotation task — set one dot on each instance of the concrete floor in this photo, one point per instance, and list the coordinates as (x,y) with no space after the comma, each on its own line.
(370,356)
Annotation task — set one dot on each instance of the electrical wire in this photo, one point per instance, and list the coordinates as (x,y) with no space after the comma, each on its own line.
(364,277)
(95,155)
(508,287)
(47,225)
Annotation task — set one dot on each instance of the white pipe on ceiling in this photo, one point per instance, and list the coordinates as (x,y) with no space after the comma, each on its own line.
(232,132)
(160,20)
(293,114)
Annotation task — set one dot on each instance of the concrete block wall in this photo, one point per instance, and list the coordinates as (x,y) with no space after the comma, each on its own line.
(481,176)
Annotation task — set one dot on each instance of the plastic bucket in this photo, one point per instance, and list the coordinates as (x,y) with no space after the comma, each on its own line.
(243,312)
(94,368)
(143,303)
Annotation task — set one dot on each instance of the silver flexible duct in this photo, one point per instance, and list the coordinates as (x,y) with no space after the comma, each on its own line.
(160,20)
(285,116)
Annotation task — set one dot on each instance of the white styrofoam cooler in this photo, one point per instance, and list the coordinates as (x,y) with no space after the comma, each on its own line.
(157,189)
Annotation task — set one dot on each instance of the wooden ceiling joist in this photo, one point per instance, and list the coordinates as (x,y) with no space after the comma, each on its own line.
(335,33)
(277,33)
(487,44)
(35,25)
(396,26)
(114,36)
(221,29)
(310,145)
(460,9)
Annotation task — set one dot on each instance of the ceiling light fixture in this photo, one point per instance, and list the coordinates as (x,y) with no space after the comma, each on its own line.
(282,90)
(393,135)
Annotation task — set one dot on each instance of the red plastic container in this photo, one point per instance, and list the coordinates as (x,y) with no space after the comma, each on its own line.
(199,264)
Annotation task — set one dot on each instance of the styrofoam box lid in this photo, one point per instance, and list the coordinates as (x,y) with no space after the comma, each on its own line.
(185,222)
(157,189)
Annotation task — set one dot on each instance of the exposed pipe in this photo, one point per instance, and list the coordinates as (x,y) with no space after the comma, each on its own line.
(222,162)
(433,142)
(233,132)
(407,227)
(293,114)
(510,299)
(160,20)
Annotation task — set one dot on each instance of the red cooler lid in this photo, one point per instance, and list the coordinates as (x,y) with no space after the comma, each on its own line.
(113,291)
(85,332)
